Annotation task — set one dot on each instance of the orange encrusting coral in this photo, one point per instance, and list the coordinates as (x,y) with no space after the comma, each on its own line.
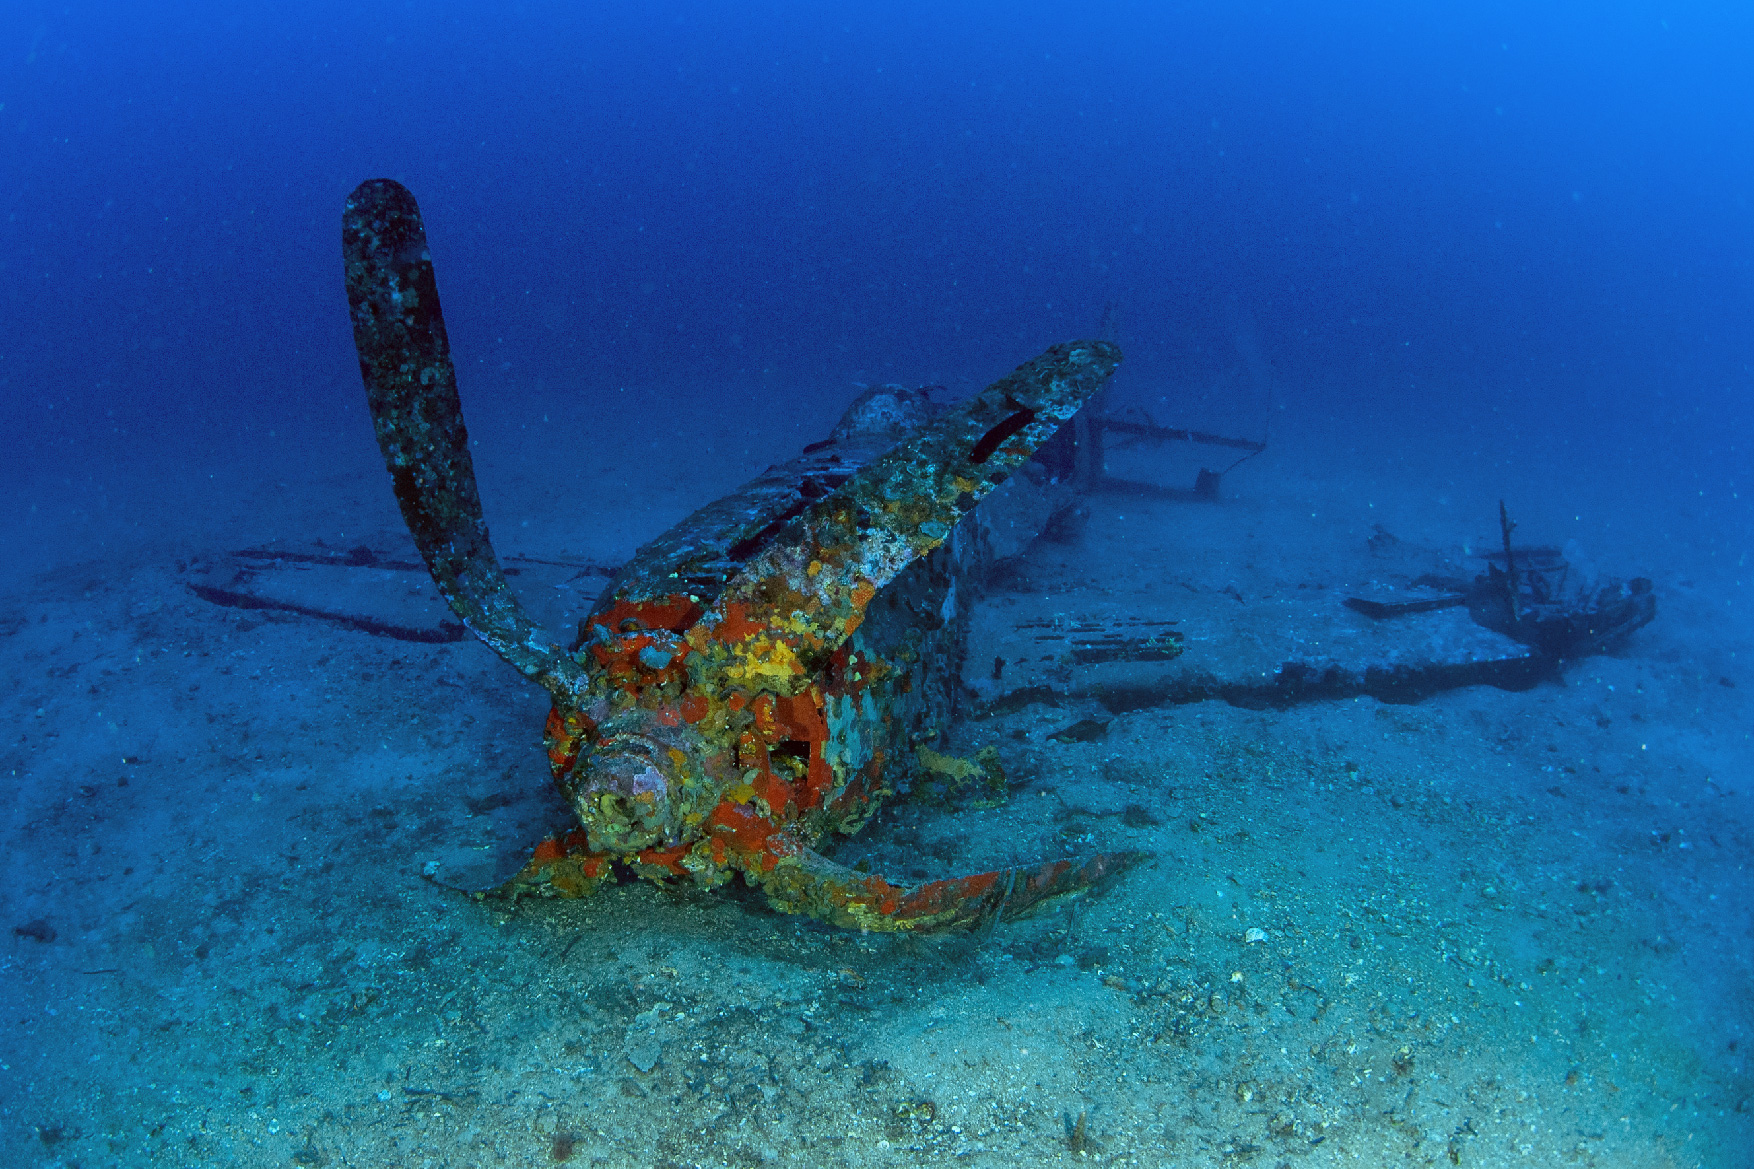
(564,864)
(563,734)
(775,792)
(669,859)
(752,841)
(736,625)
(674,613)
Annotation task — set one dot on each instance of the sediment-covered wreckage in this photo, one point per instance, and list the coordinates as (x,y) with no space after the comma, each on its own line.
(763,676)
(767,672)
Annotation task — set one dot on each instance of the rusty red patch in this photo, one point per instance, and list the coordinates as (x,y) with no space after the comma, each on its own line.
(736,624)
(746,830)
(799,717)
(665,858)
(562,733)
(818,780)
(776,791)
(675,613)
(762,708)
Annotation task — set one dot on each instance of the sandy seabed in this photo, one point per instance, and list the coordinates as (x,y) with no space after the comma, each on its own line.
(1487,928)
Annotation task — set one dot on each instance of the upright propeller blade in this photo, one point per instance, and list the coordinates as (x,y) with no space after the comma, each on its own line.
(411,386)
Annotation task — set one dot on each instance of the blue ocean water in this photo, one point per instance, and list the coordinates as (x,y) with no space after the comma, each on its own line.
(1549,198)
(1435,255)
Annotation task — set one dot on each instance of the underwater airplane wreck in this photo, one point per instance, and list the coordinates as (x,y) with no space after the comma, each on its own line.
(762,677)
(766,673)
